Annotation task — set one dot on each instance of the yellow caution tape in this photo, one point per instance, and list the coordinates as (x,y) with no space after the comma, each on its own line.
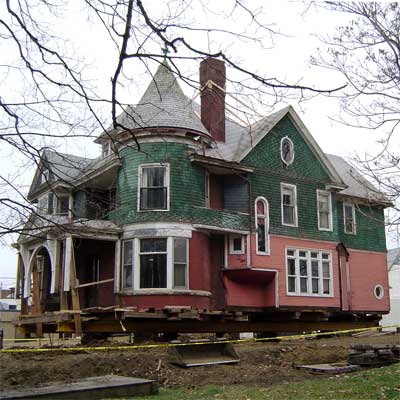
(165,345)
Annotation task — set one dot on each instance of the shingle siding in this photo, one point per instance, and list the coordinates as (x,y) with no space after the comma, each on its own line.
(187,189)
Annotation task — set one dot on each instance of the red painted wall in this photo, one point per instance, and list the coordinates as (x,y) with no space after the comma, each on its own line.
(161,301)
(366,271)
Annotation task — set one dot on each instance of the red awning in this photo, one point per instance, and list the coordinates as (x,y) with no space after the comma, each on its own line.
(258,276)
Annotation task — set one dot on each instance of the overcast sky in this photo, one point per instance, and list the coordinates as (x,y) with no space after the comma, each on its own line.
(287,58)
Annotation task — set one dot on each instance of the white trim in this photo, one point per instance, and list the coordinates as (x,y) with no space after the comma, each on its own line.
(67,262)
(154,229)
(290,162)
(166,179)
(293,188)
(266,225)
(231,247)
(186,287)
(297,276)
(157,292)
(353,211)
(219,229)
(117,265)
(324,193)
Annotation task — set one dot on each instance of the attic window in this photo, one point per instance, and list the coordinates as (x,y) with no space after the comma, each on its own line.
(44,176)
(287,150)
(105,149)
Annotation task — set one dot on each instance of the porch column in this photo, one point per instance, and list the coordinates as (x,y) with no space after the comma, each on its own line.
(117,266)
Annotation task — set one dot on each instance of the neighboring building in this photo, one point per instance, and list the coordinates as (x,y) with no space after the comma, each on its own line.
(10,308)
(209,215)
(393,318)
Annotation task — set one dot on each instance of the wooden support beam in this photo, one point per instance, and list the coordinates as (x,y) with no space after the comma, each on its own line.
(20,291)
(63,293)
(36,308)
(94,283)
(75,293)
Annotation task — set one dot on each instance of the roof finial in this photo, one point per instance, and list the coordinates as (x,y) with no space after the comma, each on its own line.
(165,50)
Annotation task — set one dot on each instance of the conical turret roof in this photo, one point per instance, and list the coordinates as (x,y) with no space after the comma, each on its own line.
(163,105)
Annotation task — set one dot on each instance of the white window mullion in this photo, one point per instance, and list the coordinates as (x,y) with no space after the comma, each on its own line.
(170,263)
(136,265)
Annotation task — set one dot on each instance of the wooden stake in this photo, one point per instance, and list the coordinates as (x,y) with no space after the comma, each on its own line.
(75,293)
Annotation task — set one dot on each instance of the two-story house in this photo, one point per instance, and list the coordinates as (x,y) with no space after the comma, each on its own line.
(207,216)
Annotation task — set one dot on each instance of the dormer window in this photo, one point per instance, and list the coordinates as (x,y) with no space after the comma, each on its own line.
(105,149)
(44,176)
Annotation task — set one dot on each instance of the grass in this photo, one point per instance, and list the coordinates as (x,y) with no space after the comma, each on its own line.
(374,384)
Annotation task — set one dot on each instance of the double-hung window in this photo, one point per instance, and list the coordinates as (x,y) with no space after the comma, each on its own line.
(309,272)
(289,204)
(155,263)
(236,244)
(153,187)
(324,207)
(262,226)
(62,204)
(349,215)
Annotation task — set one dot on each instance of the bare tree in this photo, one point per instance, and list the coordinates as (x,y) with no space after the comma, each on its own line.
(366,52)
(47,93)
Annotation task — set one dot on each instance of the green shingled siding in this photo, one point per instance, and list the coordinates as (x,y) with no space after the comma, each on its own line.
(187,197)
(370,228)
(305,172)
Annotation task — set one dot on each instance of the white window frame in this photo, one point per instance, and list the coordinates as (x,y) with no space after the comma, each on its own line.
(321,278)
(353,211)
(330,221)
(57,203)
(266,225)
(135,242)
(167,183)
(293,188)
(231,244)
(289,162)
(105,149)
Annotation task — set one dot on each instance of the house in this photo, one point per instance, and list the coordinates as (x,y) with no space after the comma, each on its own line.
(392,320)
(221,225)
(9,311)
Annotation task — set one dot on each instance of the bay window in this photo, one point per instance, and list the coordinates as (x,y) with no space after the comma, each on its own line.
(153,187)
(309,272)
(155,263)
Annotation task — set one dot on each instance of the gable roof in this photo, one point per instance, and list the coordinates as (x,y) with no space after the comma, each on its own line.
(393,257)
(241,140)
(64,168)
(357,185)
(163,105)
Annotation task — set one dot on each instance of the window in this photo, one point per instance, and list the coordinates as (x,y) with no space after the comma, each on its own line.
(180,263)
(153,185)
(324,207)
(62,204)
(349,216)
(309,272)
(379,292)
(289,204)
(155,263)
(105,149)
(127,264)
(262,226)
(236,244)
(287,150)
(45,203)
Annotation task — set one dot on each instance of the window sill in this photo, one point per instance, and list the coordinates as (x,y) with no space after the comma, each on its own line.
(310,295)
(164,292)
(325,229)
(291,225)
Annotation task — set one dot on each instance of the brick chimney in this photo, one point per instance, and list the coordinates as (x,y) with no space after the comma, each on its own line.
(212,84)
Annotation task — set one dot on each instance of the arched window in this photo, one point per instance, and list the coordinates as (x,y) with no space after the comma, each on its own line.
(262,226)
(287,150)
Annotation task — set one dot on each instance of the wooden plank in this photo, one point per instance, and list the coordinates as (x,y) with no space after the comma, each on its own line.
(75,293)
(94,283)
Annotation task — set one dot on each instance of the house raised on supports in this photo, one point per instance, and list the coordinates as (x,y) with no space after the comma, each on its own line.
(209,226)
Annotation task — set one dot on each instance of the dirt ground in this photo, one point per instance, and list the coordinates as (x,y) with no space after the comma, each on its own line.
(261,364)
